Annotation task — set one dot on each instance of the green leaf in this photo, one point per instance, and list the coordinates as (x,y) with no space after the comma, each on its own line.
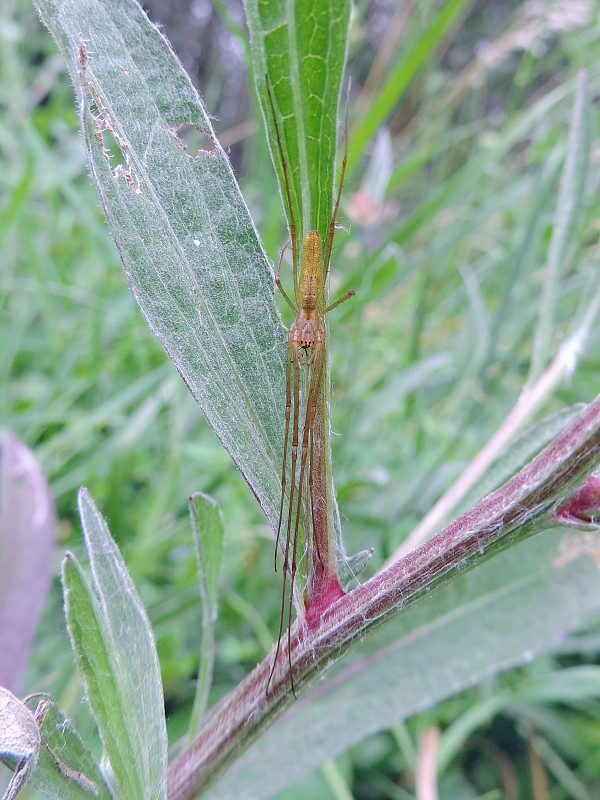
(66,770)
(116,657)
(498,616)
(301,46)
(44,748)
(19,741)
(208,539)
(188,246)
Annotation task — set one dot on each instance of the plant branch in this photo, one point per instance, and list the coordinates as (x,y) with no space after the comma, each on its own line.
(520,508)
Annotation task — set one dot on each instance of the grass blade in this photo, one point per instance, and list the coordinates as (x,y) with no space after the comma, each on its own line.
(566,218)
(208,539)
(400,78)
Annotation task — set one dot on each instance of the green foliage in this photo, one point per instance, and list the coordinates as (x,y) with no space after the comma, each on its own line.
(422,45)
(116,658)
(207,529)
(66,769)
(427,362)
(43,747)
(301,49)
(198,272)
(495,614)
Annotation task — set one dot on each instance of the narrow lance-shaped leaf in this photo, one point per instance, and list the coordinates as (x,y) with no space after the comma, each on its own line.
(301,48)
(116,656)
(566,217)
(188,245)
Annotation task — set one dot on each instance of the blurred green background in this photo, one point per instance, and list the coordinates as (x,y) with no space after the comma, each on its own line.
(448,214)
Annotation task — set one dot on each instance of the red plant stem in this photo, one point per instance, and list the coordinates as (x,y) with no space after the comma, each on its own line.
(523,506)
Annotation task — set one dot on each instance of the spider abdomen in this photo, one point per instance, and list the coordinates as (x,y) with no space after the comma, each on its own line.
(311,282)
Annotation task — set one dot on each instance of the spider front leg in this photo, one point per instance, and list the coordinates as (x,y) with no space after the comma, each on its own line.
(278,280)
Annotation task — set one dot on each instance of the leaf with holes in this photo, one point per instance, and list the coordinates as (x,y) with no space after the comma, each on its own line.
(189,248)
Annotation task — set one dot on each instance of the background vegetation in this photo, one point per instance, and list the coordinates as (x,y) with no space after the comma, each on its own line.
(449,210)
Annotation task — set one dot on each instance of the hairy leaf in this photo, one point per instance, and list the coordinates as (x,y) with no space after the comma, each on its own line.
(189,248)
(116,657)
